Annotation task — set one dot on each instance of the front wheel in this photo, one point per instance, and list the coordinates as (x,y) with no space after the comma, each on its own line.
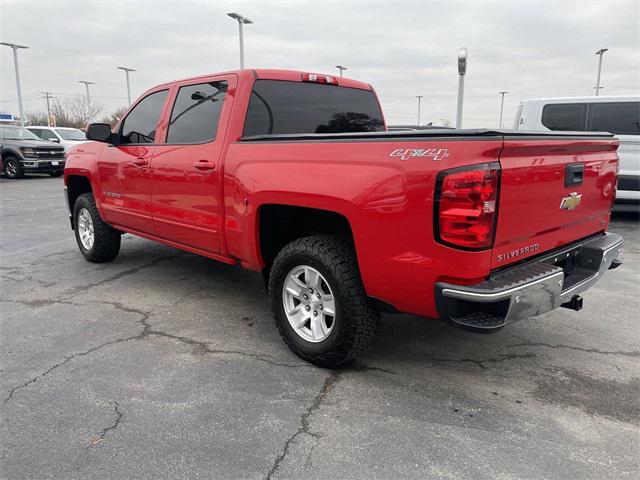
(97,240)
(13,168)
(318,301)
(56,174)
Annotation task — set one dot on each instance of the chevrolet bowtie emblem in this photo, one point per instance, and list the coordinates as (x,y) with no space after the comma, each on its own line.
(571,202)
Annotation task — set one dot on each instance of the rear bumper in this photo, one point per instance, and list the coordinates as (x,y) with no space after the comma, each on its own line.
(532,288)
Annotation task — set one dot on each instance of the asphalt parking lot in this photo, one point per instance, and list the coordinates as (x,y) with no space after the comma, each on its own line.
(167,365)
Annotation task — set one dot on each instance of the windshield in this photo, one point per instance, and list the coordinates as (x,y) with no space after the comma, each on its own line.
(71,134)
(16,133)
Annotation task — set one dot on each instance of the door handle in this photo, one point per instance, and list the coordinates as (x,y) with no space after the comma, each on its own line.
(140,162)
(204,165)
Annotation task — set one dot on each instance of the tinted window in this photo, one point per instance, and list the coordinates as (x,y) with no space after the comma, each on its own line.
(37,131)
(48,135)
(567,116)
(195,114)
(140,124)
(622,118)
(295,107)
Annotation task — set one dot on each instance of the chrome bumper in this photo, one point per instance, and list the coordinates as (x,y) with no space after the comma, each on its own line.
(532,288)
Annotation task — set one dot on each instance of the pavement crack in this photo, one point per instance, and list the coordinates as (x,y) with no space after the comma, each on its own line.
(145,331)
(103,433)
(481,363)
(526,343)
(73,292)
(305,428)
(203,348)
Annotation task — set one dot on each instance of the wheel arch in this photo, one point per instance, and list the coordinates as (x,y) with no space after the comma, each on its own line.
(76,185)
(278,224)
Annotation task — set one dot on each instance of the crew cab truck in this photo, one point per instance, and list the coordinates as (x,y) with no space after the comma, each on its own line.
(292,174)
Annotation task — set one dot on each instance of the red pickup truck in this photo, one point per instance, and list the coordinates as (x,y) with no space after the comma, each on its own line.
(294,175)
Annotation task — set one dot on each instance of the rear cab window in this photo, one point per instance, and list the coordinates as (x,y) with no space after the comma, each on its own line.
(282,107)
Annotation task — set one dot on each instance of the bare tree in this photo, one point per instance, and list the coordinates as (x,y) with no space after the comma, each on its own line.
(36,118)
(75,112)
(115,117)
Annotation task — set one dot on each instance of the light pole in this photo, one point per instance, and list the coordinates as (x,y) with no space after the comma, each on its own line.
(15,48)
(601,54)
(126,71)
(47,96)
(241,21)
(462,70)
(341,68)
(502,94)
(419,97)
(86,84)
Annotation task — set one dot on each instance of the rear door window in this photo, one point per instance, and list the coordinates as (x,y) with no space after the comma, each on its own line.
(196,113)
(565,116)
(48,135)
(621,118)
(140,124)
(280,107)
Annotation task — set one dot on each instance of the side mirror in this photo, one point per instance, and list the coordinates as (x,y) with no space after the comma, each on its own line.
(99,132)
(54,139)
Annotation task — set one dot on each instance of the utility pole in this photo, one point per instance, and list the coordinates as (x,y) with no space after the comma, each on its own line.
(419,97)
(126,71)
(601,54)
(502,94)
(15,48)
(241,21)
(341,68)
(47,96)
(86,84)
(462,70)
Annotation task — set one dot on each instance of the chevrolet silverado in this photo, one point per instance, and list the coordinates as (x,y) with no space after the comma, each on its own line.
(294,175)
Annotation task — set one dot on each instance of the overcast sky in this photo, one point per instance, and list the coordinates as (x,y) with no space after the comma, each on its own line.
(403,49)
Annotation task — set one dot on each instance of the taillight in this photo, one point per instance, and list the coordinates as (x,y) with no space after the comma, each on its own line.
(466,206)
(314,78)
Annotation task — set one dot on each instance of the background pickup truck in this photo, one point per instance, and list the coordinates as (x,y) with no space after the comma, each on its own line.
(293,174)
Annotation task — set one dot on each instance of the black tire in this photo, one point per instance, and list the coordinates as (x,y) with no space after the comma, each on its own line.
(56,174)
(106,244)
(355,321)
(13,168)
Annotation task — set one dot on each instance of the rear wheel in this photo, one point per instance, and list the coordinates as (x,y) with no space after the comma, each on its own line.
(13,168)
(318,301)
(97,240)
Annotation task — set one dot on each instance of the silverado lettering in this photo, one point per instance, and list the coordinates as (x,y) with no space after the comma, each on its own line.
(289,174)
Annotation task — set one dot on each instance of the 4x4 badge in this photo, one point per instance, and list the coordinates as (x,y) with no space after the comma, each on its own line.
(432,153)
(571,202)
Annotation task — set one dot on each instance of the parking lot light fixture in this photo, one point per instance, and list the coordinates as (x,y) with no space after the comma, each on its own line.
(419,97)
(242,20)
(462,70)
(601,54)
(86,84)
(126,71)
(15,47)
(502,94)
(341,68)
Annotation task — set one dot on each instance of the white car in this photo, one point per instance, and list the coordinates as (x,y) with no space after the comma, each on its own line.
(67,137)
(615,114)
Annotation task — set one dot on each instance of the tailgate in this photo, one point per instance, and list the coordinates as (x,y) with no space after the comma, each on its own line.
(553,191)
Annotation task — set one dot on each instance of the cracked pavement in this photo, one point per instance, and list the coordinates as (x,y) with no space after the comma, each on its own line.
(163,364)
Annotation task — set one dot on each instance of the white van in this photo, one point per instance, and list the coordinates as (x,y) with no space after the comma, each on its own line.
(619,115)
